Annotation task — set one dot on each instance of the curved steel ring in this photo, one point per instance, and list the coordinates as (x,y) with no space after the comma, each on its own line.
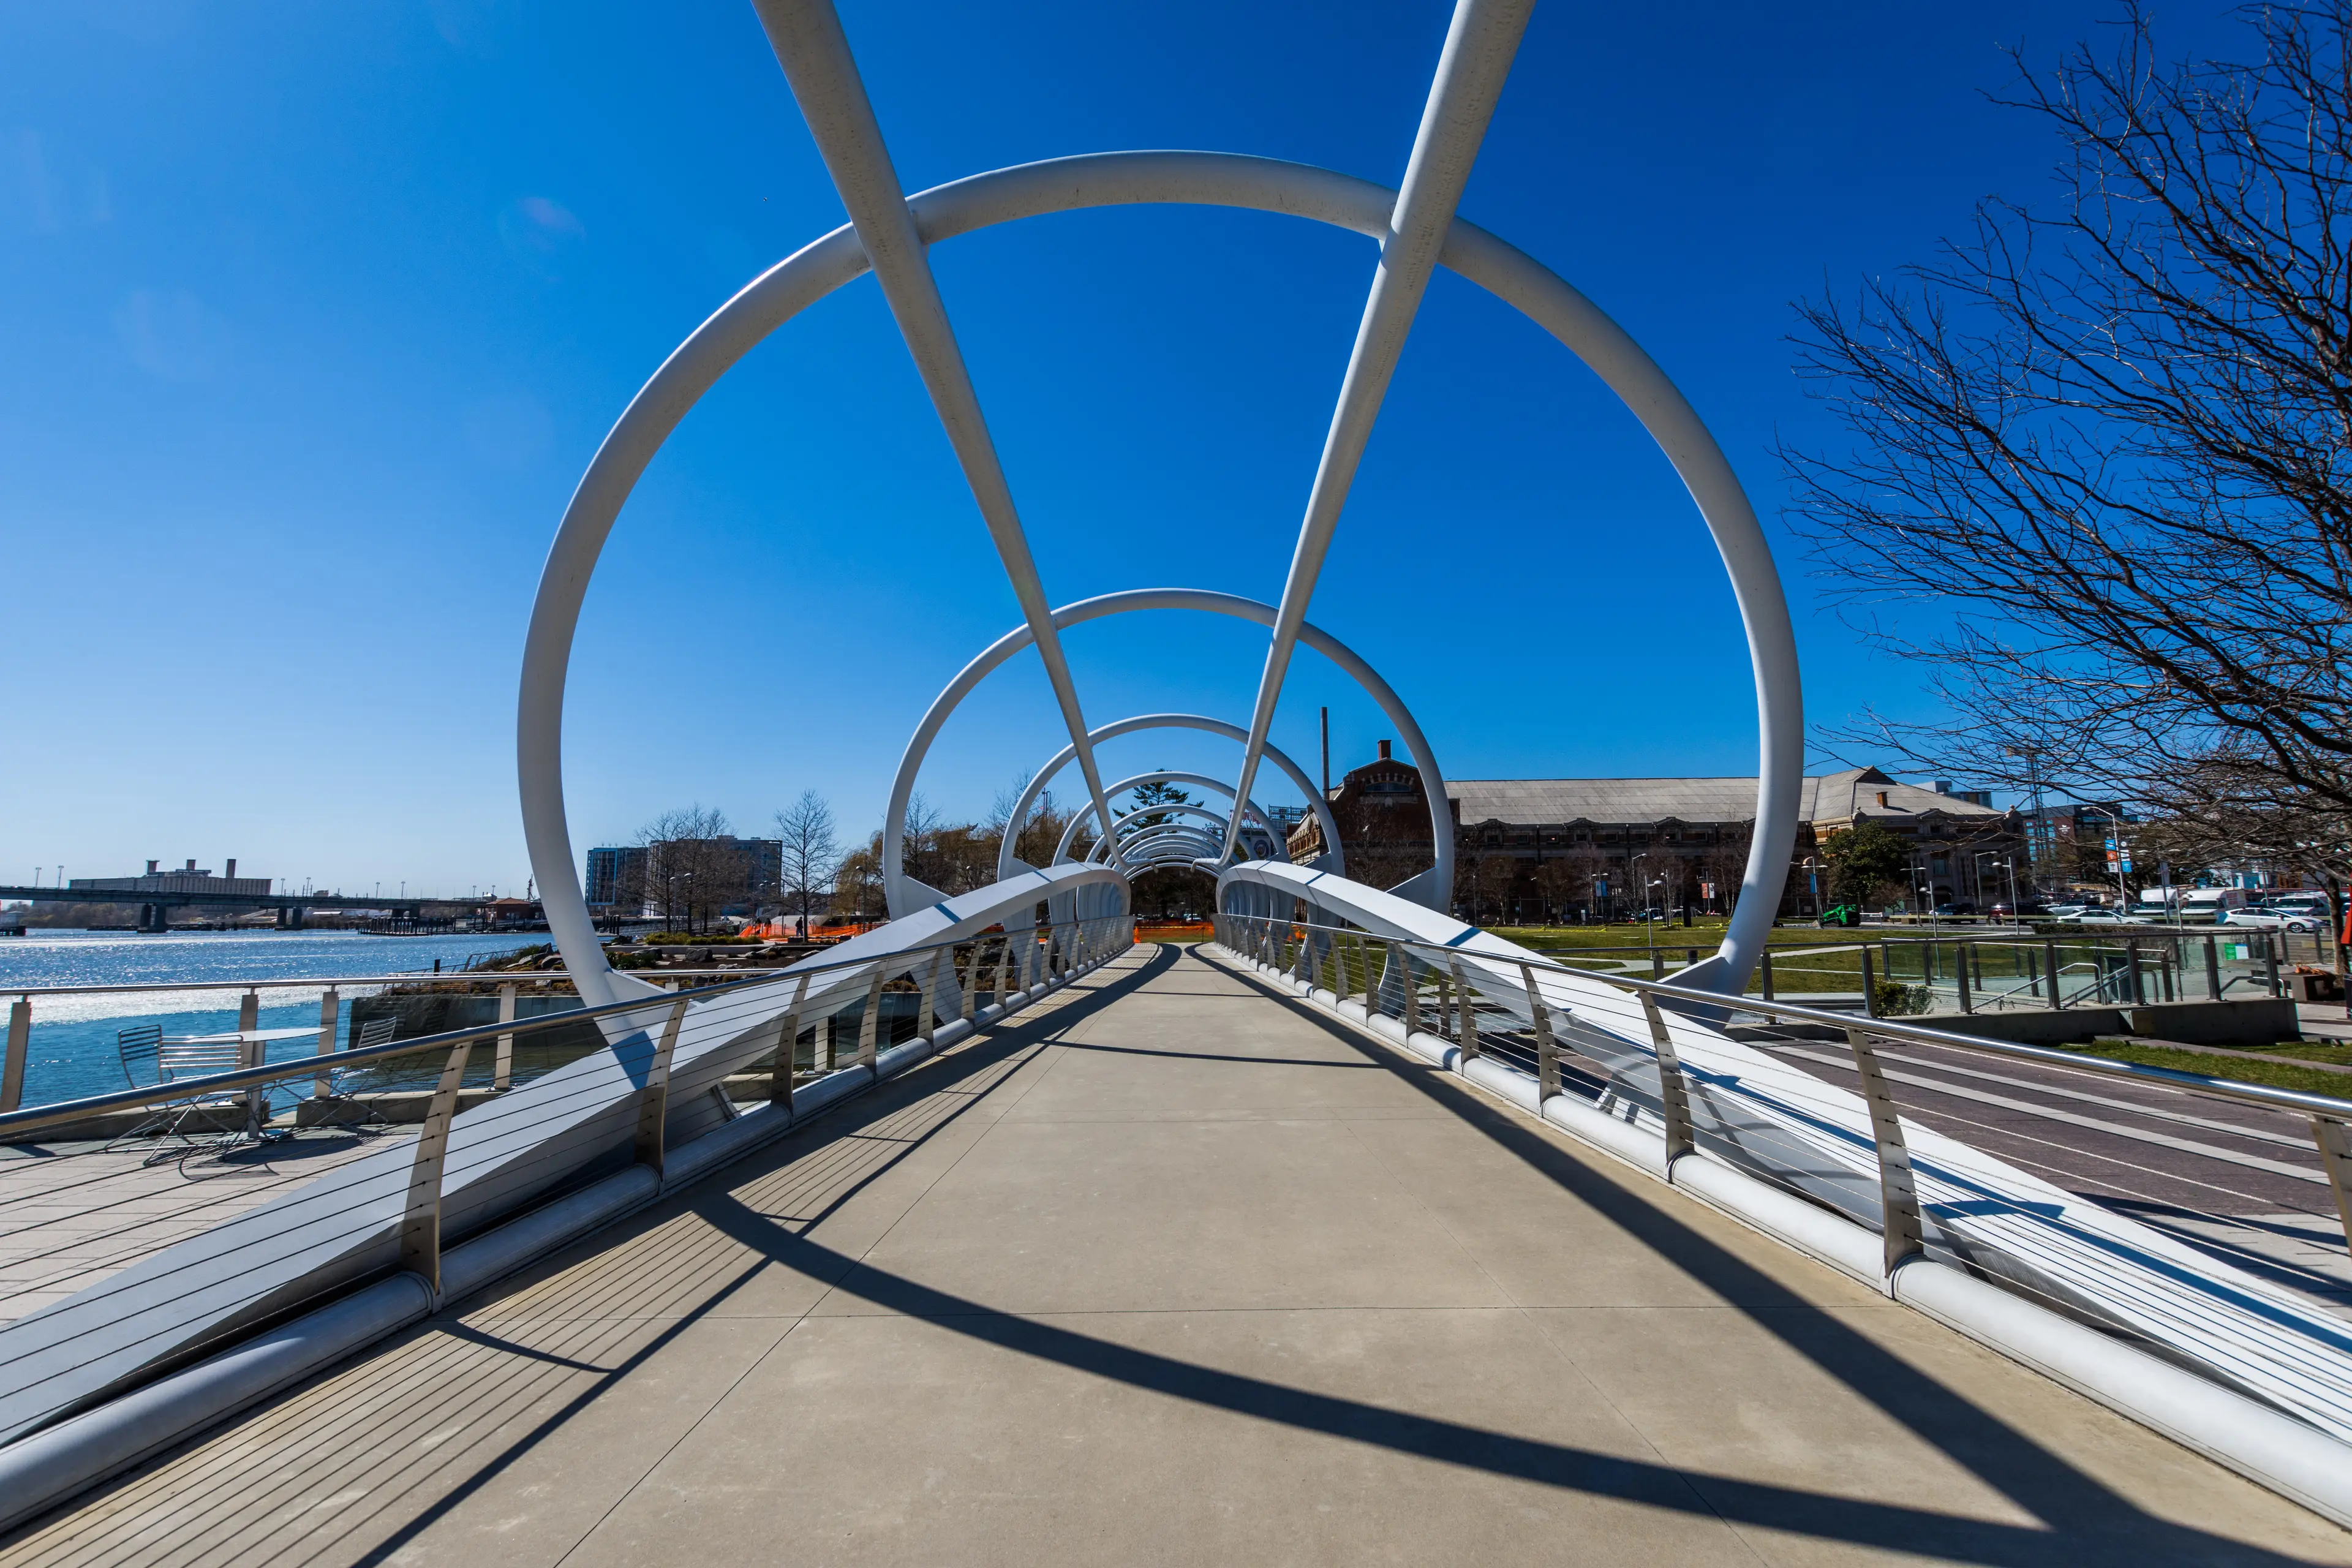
(903,897)
(1084,814)
(1007,862)
(1109,179)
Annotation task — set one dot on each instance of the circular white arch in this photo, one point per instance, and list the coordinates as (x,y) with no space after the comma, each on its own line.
(1007,862)
(1085,811)
(1107,179)
(1135,830)
(903,897)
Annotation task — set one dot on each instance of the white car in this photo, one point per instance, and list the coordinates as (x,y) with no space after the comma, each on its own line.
(2099,916)
(2272,920)
(2065,911)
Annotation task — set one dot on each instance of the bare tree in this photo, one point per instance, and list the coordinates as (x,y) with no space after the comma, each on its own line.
(812,850)
(857,882)
(692,868)
(2118,430)
(1037,834)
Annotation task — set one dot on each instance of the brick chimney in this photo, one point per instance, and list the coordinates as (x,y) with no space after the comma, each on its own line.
(232,866)
(150,868)
(1384,751)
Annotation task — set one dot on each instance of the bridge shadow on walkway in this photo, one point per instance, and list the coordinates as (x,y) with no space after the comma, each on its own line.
(1176,1269)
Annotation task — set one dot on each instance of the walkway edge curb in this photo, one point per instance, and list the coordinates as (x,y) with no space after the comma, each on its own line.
(2266,1447)
(57,1464)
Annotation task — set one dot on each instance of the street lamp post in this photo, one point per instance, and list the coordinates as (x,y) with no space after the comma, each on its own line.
(2117,853)
(2009,864)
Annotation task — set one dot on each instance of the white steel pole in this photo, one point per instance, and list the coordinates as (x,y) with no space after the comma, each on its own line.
(1479,46)
(814,53)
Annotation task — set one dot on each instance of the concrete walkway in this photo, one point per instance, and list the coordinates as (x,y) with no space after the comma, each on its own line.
(1174,1271)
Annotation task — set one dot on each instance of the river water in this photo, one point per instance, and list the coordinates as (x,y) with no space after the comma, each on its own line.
(73,1050)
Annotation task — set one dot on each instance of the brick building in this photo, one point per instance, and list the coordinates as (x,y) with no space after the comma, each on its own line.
(1534,849)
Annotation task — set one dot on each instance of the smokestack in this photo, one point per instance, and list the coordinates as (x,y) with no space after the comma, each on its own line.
(1326,751)
(191,865)
(150,868)
(1384,751)
(232,866)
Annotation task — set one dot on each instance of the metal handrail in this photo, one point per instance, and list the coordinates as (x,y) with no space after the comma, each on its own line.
(1901,1223)
(2227,1088)
(410,978)
(254,1077)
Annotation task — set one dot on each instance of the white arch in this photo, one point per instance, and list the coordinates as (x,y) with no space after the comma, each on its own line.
(1007,863)
(1084,814)
(902,789)
(1164,844)
(1107,179)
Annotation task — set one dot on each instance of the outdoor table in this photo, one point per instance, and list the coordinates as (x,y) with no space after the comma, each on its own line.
(256,1044)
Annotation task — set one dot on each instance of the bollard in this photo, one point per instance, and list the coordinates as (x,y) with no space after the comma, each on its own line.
(1764,968)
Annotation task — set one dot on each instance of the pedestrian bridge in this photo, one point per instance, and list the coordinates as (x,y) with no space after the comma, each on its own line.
(1180,1268)
(1355,1233)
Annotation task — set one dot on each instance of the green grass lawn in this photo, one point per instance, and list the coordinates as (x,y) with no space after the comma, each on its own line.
(1794,973)
(2278,1075)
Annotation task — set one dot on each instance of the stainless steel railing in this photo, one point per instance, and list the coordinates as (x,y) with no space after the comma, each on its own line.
(999,965)
(510,984)
(1392,976)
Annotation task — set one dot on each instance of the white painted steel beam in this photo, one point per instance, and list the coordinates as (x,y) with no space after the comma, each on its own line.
(1476,60)
(814,53)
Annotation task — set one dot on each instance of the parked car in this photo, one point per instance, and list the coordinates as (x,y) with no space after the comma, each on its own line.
(2291,919)
(2065,911)
(2098,916)
(2312,904)
(1958,907)
(2201,905)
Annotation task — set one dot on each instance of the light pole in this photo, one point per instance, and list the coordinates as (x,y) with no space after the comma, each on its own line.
(2007,863)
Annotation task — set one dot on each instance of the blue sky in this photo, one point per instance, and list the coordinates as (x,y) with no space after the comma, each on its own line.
(315,313)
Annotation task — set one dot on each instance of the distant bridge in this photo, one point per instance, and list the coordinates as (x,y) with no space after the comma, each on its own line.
(292,908)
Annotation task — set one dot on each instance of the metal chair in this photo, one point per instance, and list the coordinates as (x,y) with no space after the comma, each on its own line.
(149,1061)
(375,1032)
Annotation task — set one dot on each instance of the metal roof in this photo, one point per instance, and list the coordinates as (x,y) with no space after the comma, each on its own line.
(1826,797)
